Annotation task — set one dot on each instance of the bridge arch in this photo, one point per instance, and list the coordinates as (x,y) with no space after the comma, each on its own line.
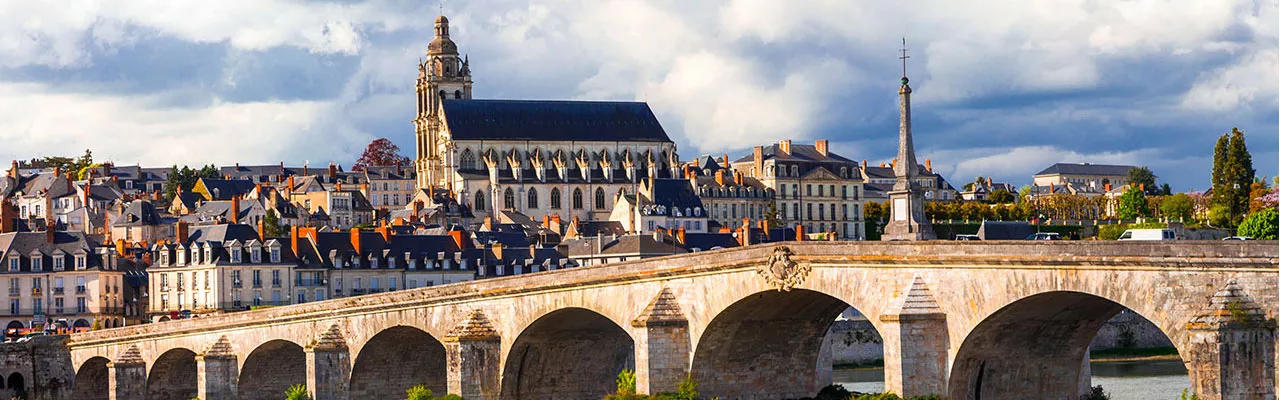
(567,353)
(92,380)
(270,369)
(777,336)
(1034,347)
(172,375)
(395,359)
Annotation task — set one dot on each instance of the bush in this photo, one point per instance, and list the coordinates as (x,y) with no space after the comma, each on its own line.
(1220,216)
(833,392)
(1187,395)
(1262,225)
(297,392)
(417,393)
(1096,394)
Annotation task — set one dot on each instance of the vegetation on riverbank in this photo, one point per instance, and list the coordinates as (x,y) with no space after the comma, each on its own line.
(1134,354)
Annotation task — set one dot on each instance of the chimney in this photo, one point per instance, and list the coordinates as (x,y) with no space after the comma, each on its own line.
(757,155)
(288,190)
(785,146)
(417,210)
(576,223)
(799,233)
(386,233)
(720,177)
(688,171)
(355,241)
(746,231)
(546,221)
(737,178)
(488,222)
(864,164)
(57,170)
(13,170)
(497,250)
(262,231)
(293,240)
(458,237)
(659,235)
(182,231)
(8,217)
(821,145)
(364,188)
(1050,187)
(928,165)
(680,235)
(333,172)
(764,226)
(1106,187)
(725,160)
(235,209)
(84,197)
(337,187)
(894,163)
(600,241)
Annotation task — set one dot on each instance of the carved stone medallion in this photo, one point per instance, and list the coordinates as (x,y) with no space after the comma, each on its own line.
(781,272)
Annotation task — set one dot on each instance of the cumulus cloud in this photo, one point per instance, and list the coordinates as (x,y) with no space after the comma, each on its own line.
(1004,92)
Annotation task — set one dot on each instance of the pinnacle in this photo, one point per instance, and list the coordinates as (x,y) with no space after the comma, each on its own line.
(131,356)
(221,348)
(919,299)
(475,327)
(331,339)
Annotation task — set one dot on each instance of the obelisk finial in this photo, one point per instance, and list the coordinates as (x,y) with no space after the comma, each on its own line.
(904,58)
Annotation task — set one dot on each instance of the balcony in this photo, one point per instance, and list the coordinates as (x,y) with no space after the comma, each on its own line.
(357,292)
(37,291)
(15,292)
(309,282)
(58,290)
(236,283)
(81,289)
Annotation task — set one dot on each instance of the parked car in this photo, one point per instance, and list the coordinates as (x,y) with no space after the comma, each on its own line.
(1237,238)
(1148,234)
(1045,236)
(968,237)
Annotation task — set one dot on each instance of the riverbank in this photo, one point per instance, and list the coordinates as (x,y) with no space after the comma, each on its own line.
(1128,355)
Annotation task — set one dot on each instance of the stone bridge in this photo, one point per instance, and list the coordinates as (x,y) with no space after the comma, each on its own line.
(968,320)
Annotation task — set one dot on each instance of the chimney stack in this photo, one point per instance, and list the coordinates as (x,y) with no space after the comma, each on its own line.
(385,231)
(182,231)
(785,146)
(680,235)
(720,177)
(799,233)
(293,240)
(758,159)
(13,170)
(84,197)
(864,164)
(333,172)
(821,145)
(262,231)
(928,165)
(459,237)
(725,160)
(235,209)
(746,231)
(355,241)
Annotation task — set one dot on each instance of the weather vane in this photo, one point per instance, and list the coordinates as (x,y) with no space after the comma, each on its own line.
(904,57)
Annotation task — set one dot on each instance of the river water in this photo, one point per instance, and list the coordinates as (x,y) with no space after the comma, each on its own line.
(1127,380)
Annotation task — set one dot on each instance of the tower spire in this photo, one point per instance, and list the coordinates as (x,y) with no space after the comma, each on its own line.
(906,199)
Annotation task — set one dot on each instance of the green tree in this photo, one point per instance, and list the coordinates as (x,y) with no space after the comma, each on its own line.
(1165,189)
(1000,196)
(271,224)
(1178,206)
(1233,173)
(297,392)
(1220,216)
(1219,176)
(186,178)
(1142,176)
(1261,225)
(1133,204)
(626,382)
(771,215)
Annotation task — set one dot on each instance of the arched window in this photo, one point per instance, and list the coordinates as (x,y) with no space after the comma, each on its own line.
(599,199)
(468,160)
(509,199)
(844,172)
(555,198)
(577,199)
(533,199)
(795,170)
(479,204)
(457,94)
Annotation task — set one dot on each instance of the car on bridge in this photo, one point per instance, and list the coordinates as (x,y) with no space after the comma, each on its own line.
(967,237)
(1148,234)
(1045,236)
(1237,238)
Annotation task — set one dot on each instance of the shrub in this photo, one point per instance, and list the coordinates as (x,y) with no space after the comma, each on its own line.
(1261,225)
(1187,395)
(417,393)
(1096,394)
(297,392)
(626,382)
(833,392)
(687,390)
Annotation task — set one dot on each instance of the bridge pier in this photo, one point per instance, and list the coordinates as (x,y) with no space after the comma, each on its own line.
(329,366)
(662,345)
(127,376)
(473,350)
(217,374)
(1231,350)
(915,345)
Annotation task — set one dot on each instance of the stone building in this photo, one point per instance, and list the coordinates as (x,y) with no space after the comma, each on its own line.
(1083,174)
(363,262)
(390,187)
(814,187)
(661,204)
(60,277)
(933,186)
(217,268)
(139,221)
(728,195)
(567,158)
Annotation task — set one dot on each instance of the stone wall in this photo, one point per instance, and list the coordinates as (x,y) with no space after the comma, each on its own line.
(42,366)
(1129,330)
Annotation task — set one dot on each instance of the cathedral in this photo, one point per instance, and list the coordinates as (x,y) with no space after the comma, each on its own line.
(540,158)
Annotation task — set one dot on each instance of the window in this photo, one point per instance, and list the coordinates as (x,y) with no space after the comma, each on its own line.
(577,199)
(533,199)
(832,190)
(181,281)
(795,191)
(235,254)
(821,211)
(206,279)
(820,191)
(509,199)
(164,282)
(257,278)
(599,199)
(275,254)
(164,301)
(59,263)
(555,198)
(275,278)
(479,203)
(255,255)
(844,192)
(795,210)
(844,211)
(795,170)
(35,262)
(783,190)
(809,210)
(391,284)
(57,305)
(13,264)
(467,160)
(457,94)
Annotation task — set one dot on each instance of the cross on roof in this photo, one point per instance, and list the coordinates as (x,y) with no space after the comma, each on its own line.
(904,56)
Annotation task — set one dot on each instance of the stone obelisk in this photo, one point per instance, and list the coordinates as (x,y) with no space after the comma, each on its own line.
(906,204)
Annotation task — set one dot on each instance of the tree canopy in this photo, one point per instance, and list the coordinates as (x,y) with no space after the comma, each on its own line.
(1178,206)
(380,153)
(186,178)
(1144,178)
(1261,225)
(1133,204)
(1233,173)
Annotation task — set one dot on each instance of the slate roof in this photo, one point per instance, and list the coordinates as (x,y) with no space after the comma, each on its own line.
(799,152)
(328,244)
(211,211)
(389,172)
(259,173)
(552,120)
(1085,169)
(225,189)
(221,233)
(997,230)
(24,243)
(672,193)
(138,213)
(708,241)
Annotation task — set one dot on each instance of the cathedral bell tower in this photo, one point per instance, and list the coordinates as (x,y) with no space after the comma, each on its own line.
(442,75)
(906,204)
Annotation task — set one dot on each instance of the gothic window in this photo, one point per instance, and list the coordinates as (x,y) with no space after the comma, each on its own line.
(555,198)
(577,199)
(533,199)
(599,199)
(468,160)
(457,94)
(509,199)
(479,205)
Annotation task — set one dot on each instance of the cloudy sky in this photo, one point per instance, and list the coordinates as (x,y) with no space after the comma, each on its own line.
(1002,88)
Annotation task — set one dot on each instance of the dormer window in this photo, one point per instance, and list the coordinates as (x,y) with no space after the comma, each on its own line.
(255,255)
(59,263)
(36,261)
(13,263)
(235,254)
(182,255)
(275,254)
(391,263)
(373,263)
(80,262)
(208,254)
